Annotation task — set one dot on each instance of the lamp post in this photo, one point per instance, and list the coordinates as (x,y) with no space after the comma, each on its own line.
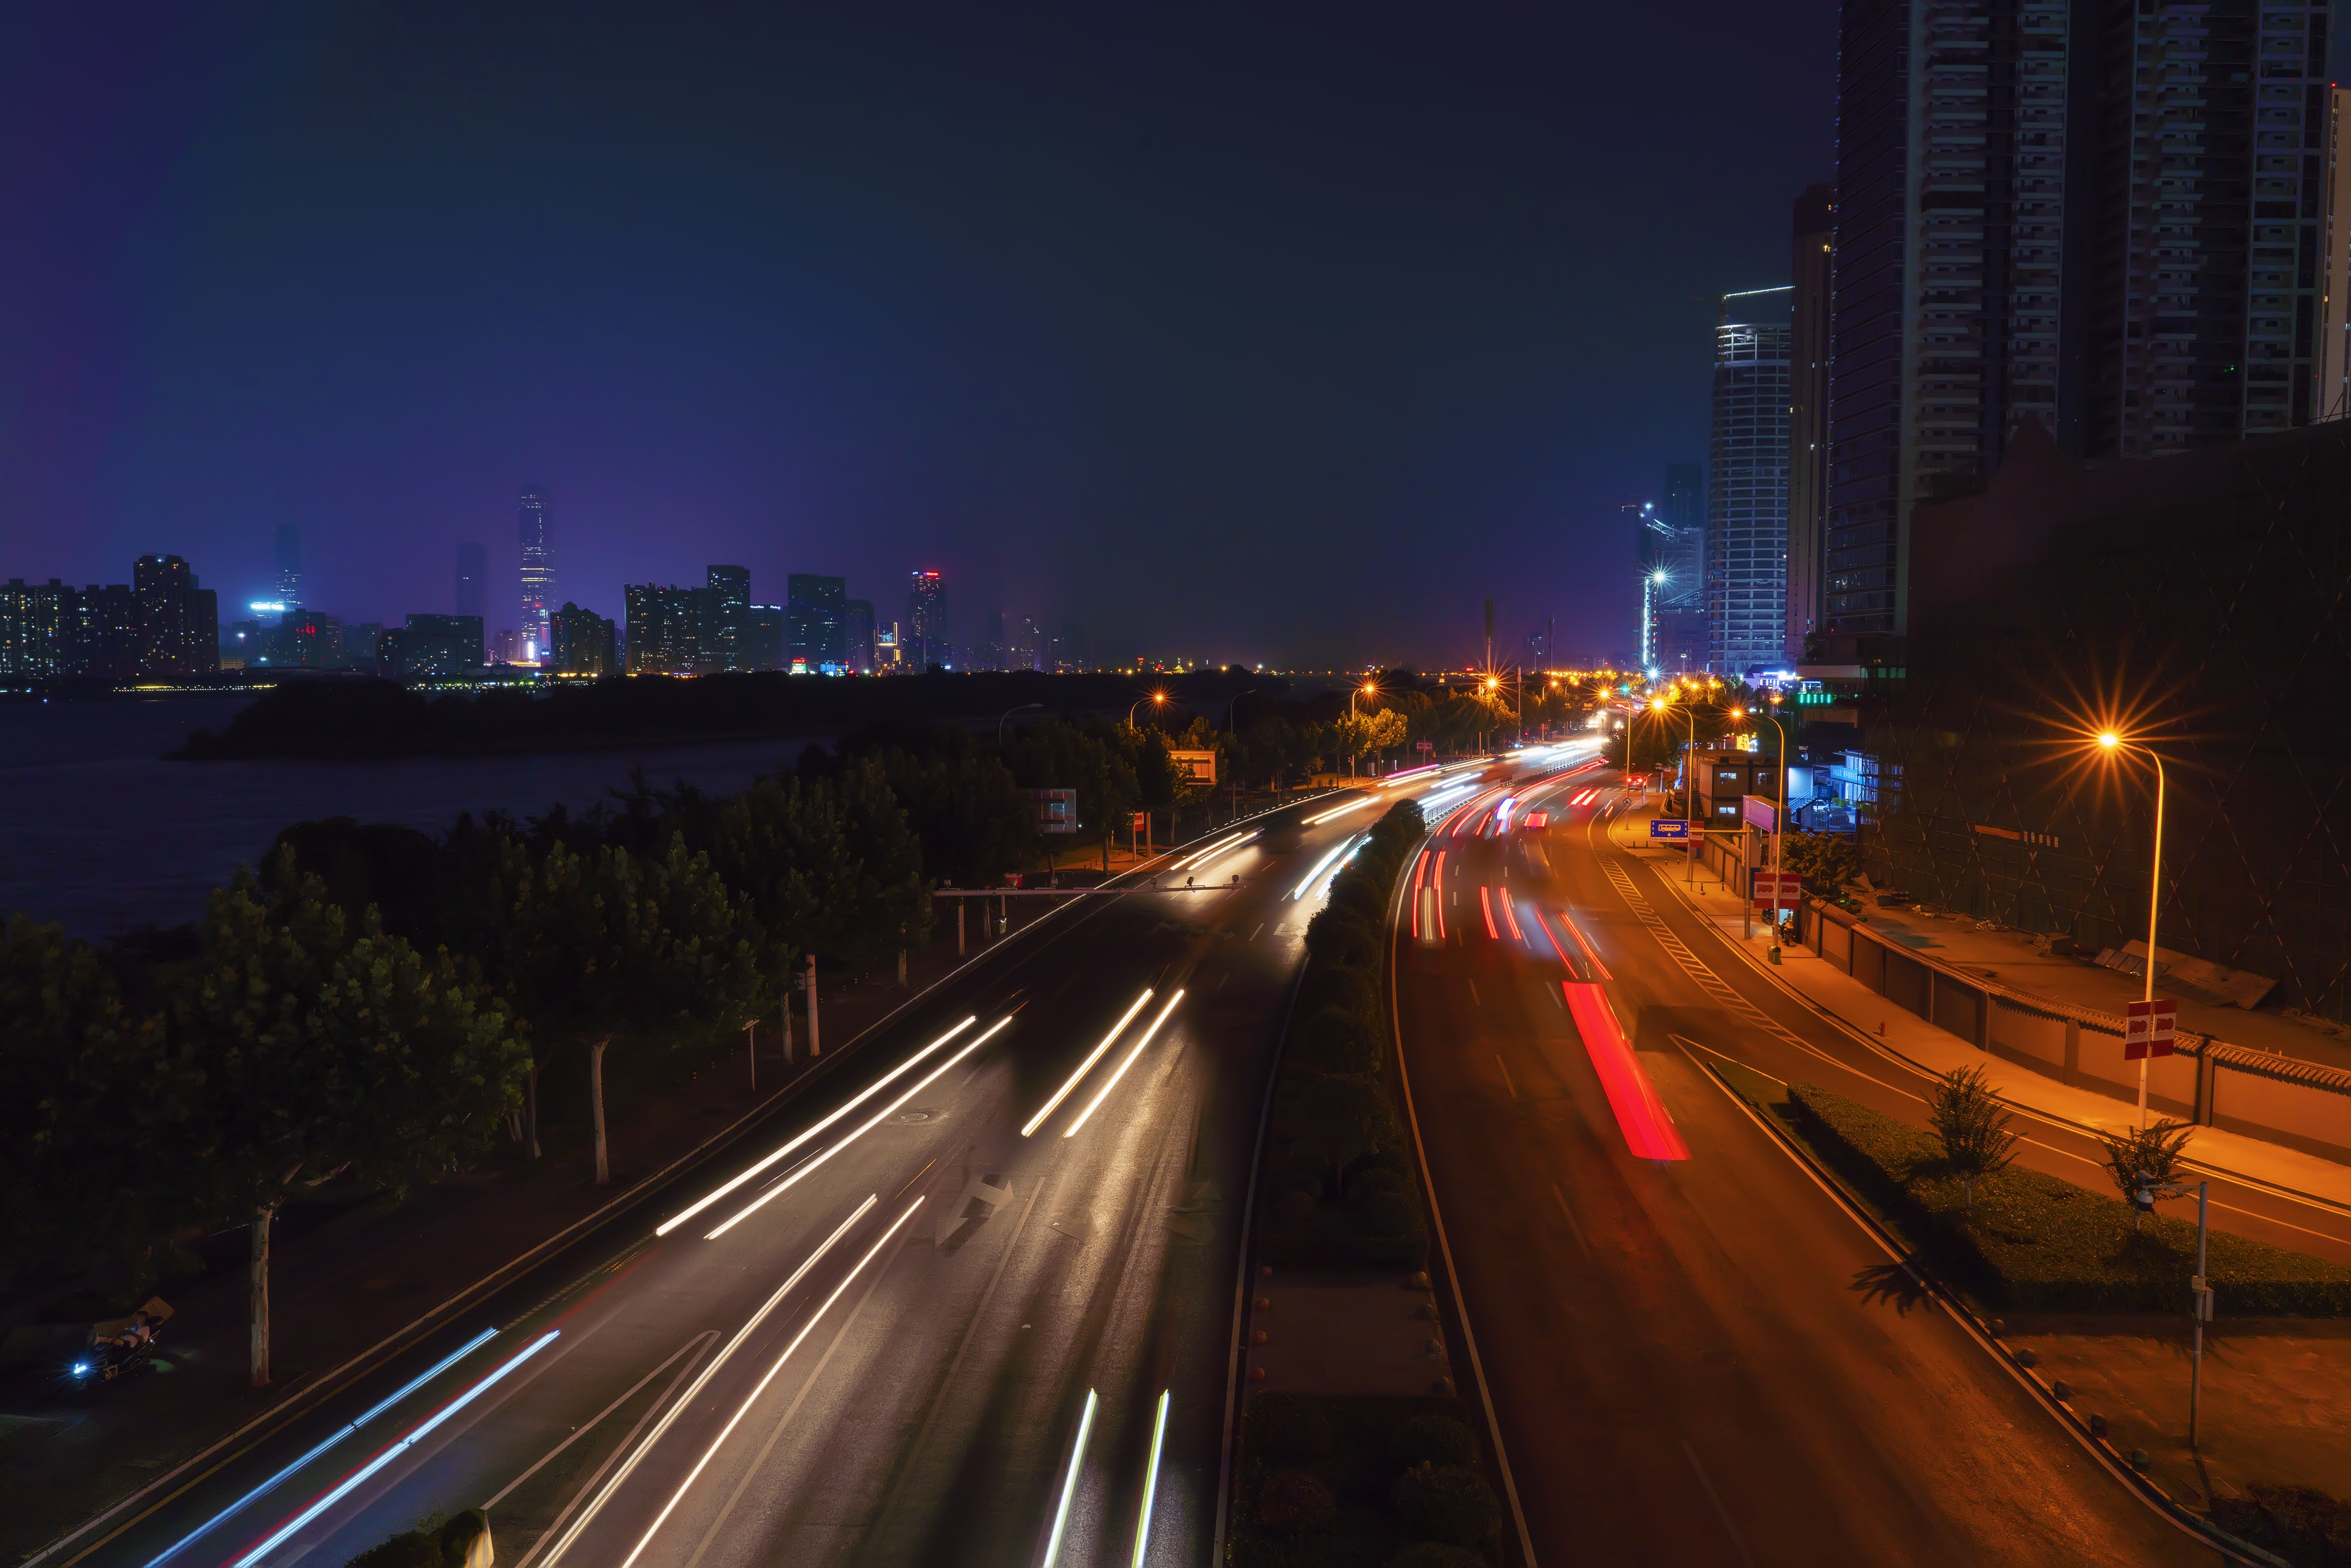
(1024,707)
(1368,690)
(2114,744)
(1780,830)
(1158,697)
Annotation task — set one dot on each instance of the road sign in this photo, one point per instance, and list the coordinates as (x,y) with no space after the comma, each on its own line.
(1057,810)
(1424,746)
(2150,1027)
(1668,828)
(1196,767)
(1776,889)
(1757,812)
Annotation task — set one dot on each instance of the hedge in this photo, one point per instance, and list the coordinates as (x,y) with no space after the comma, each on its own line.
(2033,1241)
(1326,1479)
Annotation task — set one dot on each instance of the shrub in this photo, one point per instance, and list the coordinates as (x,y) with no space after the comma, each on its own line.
(1336,936)
(1339,1120)
(1385,1214)
(2302,1524)
(1432,1439)
(434,1546)
(1287,1426)
(2036,1241)
(1447,1502)
(1292,1503)
(1333,1040)
(1355,992)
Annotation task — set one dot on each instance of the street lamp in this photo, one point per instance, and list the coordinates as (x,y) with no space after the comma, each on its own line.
(1780,834)
(1158,697)
(1367,690)
(2114,744)
(1024,707)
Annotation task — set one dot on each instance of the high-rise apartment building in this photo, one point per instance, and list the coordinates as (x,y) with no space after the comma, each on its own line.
(472,581)
(1811,250)
(664,629)
(925,640)
(289,565)
(729,611)
(178,622)
(764,638)
(2104,218)
(581,643)
(538,571)
(815,609)
(2331,399)
(1747,490)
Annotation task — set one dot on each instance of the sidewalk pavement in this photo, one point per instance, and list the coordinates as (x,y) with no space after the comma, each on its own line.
(1937,1050)
(351,1283)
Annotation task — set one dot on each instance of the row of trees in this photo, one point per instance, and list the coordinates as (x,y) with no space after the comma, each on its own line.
(379,1003)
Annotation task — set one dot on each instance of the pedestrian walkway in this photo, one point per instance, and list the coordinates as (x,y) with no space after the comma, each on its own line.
(1934,1050)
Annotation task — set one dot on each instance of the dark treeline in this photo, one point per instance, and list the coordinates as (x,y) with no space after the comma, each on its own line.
(381,718)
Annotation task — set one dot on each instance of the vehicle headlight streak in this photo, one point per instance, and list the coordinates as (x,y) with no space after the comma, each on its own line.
(1342,811)
(460,1353)
(745,1409)
(694,1390)
(1096,1103)
(1325,863)
(674,1222)
(884,1114)
(1220,851)
(1086,1066)
(359,1477)
(1070,1483)
(1226,842)
(1151,1481)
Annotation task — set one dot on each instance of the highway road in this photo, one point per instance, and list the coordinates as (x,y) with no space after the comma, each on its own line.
(1693,1354)
(970,1303)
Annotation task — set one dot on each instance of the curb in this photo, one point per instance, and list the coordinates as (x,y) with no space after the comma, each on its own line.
(1887,1048)
(262,1425)
(2114,1460)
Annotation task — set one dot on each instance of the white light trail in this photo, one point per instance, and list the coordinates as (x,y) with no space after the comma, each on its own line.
(1217,854)
(694,1390)
(675,1220)
(884,1114)
(1070,1486)
(1086,1066)
(1203,854)
(1151,1481)
(1122,1066)
(744,1409)
(1325,863)
(360,1477)
(1342,810)
(460,1353)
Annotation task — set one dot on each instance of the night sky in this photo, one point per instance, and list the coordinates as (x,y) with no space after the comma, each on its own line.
(1276,334)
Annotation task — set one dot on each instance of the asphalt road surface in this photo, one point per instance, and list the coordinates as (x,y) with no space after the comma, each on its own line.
(946,1326)
(1698,1358)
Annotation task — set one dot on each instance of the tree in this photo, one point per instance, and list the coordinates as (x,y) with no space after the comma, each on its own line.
(2141,1158)
(1826,861)
(609,940)
(1972,1126)
(322,1052)
(826,865)
(1339,1120)
(89,1091)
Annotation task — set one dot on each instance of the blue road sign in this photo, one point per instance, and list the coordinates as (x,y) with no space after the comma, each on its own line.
(1668,828)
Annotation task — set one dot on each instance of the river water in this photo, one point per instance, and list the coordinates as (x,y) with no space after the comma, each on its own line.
(98,831)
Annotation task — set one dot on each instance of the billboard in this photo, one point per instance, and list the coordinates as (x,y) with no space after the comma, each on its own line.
(1195,767)
(1057,810)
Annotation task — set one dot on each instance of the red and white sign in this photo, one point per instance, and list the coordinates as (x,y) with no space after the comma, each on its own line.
(1777,889)
(2150,1029)
(1424,746)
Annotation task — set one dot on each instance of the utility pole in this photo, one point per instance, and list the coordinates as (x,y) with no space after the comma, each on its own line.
(814,1048)
(2200,1311)
(751,1045)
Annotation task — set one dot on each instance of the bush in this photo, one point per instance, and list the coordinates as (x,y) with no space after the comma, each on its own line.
(2302,1524)
(1437,1554)
(2036,1241)
(434,1546)
(1292,1503)
(1433,1439)
(1337,937)
(1288,1426)
(1447,1502)
(1355,992)
(1331,1040)
(1388,1215)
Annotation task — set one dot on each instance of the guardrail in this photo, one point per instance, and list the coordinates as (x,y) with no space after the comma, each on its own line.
(2277,1098)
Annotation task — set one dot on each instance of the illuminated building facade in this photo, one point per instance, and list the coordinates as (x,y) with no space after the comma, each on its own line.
(925,639)
(538,571)
(1746,490)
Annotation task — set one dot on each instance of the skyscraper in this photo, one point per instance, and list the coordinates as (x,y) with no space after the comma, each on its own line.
(2102,217)
(926,619)
(2331,398)
(1746,495)
(179,623)
(289,565)
(472,579)
(815,609)
(730,613)
(537,568)
(857,635)
(1808,411)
